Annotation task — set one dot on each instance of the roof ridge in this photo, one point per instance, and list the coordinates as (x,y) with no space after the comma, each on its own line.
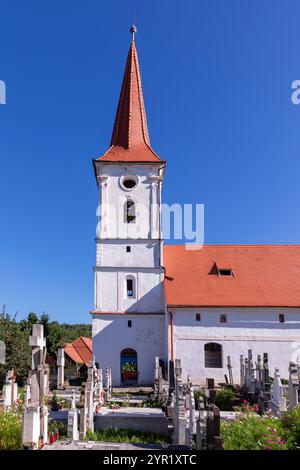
(233,244)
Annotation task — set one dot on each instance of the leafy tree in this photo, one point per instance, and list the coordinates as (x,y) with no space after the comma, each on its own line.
(44,320)
(60,334)
(16,338)
(54,338)
(31,319)
(17,347)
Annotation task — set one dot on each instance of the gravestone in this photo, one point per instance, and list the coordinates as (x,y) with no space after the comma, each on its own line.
(90,396)
(264,389)
(27,387)
(72,429)
(202,433)
(108,383)
(190,406)
(161,386)
(208,435)
(278,402)
(201,426)
(98,388)
(156,368)
(171,376)
(210,384)
(293,390)
(83,412)
(35,414)
(10,389)
(60,368)
(2,352)
(259,369)
(213,426)
(242,371)
(229,367)
(250,376)
(101,390)
(178,408)
(210,390)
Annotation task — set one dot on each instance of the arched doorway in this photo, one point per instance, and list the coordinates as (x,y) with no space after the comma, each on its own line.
(129,369)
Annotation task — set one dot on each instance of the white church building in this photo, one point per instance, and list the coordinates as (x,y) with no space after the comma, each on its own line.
(152,299)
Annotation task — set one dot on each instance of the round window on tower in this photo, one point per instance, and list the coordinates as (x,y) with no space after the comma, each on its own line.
(129,182)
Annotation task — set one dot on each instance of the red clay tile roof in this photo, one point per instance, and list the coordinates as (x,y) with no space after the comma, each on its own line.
(130,138)
(80,350)
(99,312)
(263,275)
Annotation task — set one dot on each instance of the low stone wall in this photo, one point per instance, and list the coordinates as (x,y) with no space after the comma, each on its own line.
(61,415)
(150,420)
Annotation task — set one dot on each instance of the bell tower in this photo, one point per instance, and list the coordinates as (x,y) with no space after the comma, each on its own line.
(129,302)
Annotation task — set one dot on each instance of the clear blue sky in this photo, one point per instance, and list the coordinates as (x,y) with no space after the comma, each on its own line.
(216,78)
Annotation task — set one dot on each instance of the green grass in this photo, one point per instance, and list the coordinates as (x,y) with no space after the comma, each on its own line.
(126,435)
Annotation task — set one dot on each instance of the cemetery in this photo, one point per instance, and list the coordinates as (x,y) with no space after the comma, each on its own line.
(252,409)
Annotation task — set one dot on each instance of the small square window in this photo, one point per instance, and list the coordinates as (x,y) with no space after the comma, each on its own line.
(129,323)
(223,318)
(225,272)
(128,249)
(198,317)
(281,318)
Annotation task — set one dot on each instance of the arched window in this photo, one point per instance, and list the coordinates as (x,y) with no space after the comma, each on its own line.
(130,287)
(129,212)
(213,355)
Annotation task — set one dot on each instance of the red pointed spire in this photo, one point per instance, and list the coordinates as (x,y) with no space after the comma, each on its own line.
(130,123)
(130,138)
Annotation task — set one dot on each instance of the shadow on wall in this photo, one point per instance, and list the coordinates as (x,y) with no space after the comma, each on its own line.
(143,336)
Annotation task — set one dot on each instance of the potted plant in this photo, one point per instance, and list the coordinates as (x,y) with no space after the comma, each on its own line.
(129,371)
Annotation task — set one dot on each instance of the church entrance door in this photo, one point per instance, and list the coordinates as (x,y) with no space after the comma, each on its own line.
(129,370)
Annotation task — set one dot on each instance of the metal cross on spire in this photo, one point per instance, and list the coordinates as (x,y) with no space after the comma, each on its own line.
(133,28)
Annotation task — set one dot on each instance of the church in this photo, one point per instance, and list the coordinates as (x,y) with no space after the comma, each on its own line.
(157,300)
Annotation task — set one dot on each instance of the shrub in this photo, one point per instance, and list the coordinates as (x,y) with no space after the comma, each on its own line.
(55,405)
(291,424)
(126,435)
(153,402)
(251,432)
(247,407)
(60,426)
(225,399)
(65,403)
(10,430)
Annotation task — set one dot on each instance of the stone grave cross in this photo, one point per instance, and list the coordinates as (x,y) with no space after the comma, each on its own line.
(278,402)
(35,416)
(60,362)
(293,385)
